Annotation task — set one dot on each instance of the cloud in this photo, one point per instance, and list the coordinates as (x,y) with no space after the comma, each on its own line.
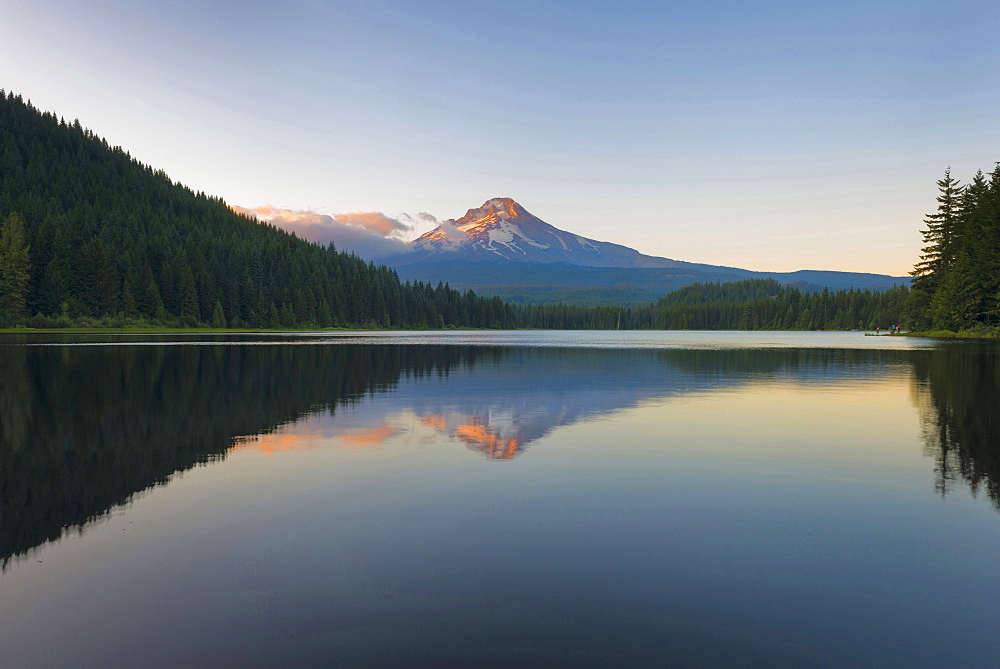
(373,221)
(450,230)
(367,436)
(422,223)
(369,234)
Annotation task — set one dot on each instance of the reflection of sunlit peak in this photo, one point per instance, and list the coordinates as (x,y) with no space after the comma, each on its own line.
(495,434)
(488,442)
(436,420)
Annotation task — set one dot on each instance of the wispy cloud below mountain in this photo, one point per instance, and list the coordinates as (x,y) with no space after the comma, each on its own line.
(368,234)
(446,227)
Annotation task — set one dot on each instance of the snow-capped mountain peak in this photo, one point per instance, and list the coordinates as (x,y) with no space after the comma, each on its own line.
(501,248)
(499,208)
(501,229)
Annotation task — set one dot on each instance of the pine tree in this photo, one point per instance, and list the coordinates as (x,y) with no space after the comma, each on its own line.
(286,316)
(188,295)
(218,316)
(990,269)
(15,268)
(969,299)
(941,238)
(53,290)
(156,308)
(129,306)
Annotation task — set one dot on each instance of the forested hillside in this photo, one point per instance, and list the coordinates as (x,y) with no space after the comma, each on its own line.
(91,236)
(754,304)
(956,284)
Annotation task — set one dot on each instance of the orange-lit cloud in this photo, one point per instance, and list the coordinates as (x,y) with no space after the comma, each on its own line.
(369,234)
(374,221)
(305,439)
(367,437)
(277,442)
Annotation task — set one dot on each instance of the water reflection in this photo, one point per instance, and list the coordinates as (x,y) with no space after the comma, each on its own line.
(958,391)
(83,429)
(500,407)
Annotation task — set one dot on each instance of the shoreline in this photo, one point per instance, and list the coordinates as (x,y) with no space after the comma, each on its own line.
(950,334)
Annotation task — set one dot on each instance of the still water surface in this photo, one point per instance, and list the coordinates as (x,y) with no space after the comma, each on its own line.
(499,499)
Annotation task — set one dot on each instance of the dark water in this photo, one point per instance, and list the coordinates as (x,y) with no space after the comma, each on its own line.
(508,499)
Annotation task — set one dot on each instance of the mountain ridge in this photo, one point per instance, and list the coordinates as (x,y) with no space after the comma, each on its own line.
(502,228)
(91,237)
(502,249)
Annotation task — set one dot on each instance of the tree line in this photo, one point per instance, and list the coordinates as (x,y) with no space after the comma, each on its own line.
(956,283)
(91,236)
(753,304)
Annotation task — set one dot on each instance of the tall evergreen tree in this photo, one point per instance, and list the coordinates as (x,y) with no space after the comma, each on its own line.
(940,238)
(15,266)
(989,269)
(218,316)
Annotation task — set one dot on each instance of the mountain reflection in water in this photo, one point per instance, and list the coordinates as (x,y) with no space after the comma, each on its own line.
(84,429)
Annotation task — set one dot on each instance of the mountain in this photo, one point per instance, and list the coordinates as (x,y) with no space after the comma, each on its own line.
(502,249)
(89,236)
(502,229)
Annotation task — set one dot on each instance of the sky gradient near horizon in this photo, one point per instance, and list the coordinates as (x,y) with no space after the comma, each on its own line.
(770,136)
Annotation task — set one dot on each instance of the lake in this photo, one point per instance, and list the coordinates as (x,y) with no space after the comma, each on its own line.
(499,499)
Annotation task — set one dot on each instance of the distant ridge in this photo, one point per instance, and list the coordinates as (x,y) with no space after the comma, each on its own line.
(502,249)
(98,239)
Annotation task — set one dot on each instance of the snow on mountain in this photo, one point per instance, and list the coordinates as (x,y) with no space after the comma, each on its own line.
(501,229)
(502,249)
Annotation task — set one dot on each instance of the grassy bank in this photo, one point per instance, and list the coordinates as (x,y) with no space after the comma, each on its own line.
(148,330)
(975,333)
(170,330)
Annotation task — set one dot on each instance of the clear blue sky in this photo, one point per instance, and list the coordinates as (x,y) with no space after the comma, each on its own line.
(765,135)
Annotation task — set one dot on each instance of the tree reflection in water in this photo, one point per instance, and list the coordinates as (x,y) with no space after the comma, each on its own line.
(958,391)
(86,428)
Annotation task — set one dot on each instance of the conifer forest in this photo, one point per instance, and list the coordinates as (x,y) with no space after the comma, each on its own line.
(90,236)
(956,283)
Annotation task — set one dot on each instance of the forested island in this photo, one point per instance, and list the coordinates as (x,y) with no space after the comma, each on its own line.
(90,237)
